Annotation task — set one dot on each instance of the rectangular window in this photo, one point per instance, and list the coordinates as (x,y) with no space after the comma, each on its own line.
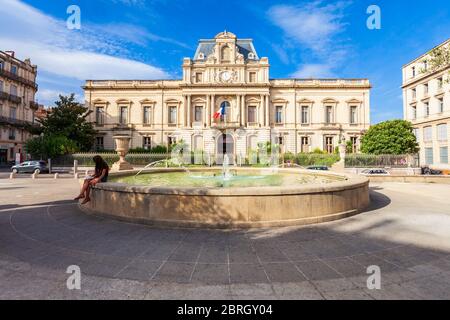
(425,65)
(329,144)
(13,90)
(353,110)
(99,115)
(13,69)
(305,144)
(426,107)
(198,77)
(441,105)
(440,82)
(279,114)
(413,69)
(147,115)
(147,143)
(416,133)
(443,153)
(442,132)
(251,114)
(414,93)
(198,116)
(427,134)
(329,114)
(172,114)
(123,117)
(13,113)
(99,143)
(1,86)
(280,141)
(252,77)
(2,64)
(354,141)
(413,112)
(305,114)
(428,156)
(425,89)
(12,134)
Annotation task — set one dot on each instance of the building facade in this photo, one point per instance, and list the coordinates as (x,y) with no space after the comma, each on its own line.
(17,105)
(298,114)
(426,103)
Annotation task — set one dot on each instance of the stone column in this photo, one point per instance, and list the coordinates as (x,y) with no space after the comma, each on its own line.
(184,110)
(238,104)
(262,111)
(189,111)
(243,110)
(213,108)
(207,111)
(267,110)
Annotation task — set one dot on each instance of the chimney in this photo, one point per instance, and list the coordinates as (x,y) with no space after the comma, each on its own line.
(10,53)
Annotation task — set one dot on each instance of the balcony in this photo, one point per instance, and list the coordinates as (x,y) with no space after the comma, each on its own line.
(223,125)
(10,97)
(17,78)
(34,105)
(16,122)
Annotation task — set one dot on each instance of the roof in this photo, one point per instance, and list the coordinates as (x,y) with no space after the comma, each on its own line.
(245,46)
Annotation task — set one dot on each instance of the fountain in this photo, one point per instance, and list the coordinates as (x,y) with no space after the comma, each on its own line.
(122,148)
(226,168)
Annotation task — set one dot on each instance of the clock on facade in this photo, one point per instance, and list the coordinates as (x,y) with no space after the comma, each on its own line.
(225,76)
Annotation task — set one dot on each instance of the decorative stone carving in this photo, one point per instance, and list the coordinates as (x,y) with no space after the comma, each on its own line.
(122,148)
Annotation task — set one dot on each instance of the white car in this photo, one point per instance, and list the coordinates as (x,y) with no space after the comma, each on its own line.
(375,172)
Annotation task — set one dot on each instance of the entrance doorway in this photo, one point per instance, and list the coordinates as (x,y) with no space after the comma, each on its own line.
(3,156)
(225,145)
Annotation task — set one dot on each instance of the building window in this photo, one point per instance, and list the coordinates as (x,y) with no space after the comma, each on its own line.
(12,134)
(199,77)
(198,115)
(413,112)
(414,93)
(353,110)
(123,116)
(99,116)
(413,69)
(226,54)
(443,155)
(427,134)
(147,117)
(172,114)
(305,144)
(13,69)
(328,114)
(354,141)
(425,65)
(251,116)
(171,141)
(426,107)
(279,114)
(2,64)
(13,113)
(99,143)
(425,89)
(1,86)
(440,82)
(441,105)
(305,114)
(442,132)
(416,133)
(329,144)
(13,90)
(428,156)
(147,143)
(252,77)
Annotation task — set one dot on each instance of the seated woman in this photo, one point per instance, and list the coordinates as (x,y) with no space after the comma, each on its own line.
(100,175)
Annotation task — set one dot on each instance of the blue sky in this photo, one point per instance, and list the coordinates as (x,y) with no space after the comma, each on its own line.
(137,39)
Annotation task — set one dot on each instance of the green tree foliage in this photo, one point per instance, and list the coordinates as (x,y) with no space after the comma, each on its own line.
(50,146)
(69,119)
(438,59)
(390,137)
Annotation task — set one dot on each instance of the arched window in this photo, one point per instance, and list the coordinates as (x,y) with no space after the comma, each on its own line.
(225,53)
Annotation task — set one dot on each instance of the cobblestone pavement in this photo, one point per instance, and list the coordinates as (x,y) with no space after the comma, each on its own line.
(406,232)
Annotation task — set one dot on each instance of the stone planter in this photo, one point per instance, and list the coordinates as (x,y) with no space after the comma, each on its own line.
(122,148)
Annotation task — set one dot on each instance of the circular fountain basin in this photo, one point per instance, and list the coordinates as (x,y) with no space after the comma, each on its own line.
(245,198)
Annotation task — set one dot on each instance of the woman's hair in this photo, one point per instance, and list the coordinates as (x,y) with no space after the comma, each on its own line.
(100,163)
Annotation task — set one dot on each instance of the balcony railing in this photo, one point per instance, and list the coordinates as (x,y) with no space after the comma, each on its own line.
(16,122)
(15,77)
(10,97)
(34,105)
(225,124)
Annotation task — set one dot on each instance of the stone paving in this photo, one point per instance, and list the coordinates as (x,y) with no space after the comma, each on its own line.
(406,232)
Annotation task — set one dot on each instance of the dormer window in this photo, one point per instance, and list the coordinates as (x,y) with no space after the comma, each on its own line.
(198,77)
(225,54)
(425,65)
(201,56)
(413,69)
(251,55)
(252,77)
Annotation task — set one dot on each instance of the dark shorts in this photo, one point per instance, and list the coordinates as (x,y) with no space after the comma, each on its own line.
(104,179)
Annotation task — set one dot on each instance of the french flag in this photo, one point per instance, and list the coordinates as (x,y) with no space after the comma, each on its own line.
(221,111)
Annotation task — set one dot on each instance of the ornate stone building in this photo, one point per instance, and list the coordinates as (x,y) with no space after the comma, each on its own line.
(298,114)
(17,105)
(426,103)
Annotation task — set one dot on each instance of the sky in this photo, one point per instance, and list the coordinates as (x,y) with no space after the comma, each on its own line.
(138,39)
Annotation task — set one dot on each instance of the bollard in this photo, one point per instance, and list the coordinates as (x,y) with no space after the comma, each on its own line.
(56,176)
(86,173)
(75,166)
(76,176)
(34,175)
(49,165)
(12,175)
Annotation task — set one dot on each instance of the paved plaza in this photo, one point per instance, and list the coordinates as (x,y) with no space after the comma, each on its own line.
(406,232)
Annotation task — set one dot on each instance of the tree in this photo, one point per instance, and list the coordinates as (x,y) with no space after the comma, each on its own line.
(390,137)
(49,146)
(69,119)
(438,59)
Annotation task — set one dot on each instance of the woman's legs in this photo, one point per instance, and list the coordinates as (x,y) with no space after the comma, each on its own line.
(83,190)
(87,192)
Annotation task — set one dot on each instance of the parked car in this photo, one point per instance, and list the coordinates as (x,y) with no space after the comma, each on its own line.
(318,168)
(378,172)
(429,171)
(30,167)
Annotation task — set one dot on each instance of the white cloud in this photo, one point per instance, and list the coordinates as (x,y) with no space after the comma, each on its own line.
(53,95)
(313,25)
(314,71)
(74,54)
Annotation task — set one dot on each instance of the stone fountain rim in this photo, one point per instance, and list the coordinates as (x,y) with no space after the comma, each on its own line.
(352,182)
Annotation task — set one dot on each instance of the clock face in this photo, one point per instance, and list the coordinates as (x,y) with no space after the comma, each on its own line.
(226,76)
